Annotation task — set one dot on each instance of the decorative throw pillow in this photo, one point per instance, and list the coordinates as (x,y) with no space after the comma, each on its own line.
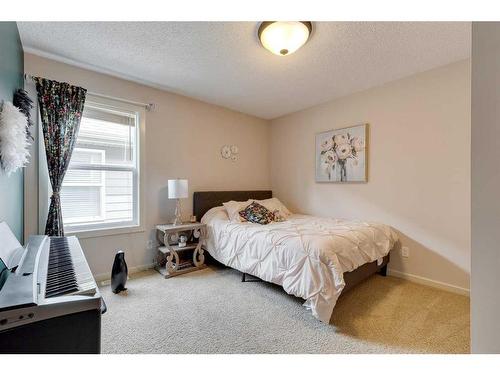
(273,204)
(257,213)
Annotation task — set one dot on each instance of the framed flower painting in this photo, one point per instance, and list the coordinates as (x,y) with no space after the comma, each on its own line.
(341,155)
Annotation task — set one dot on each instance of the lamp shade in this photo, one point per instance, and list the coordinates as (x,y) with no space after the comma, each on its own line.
(177,189)
(284,38)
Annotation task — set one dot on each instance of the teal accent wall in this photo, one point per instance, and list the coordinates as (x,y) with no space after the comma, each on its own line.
(11,78)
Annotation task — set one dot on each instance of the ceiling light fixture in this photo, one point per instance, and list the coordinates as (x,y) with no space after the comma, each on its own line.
(284,37)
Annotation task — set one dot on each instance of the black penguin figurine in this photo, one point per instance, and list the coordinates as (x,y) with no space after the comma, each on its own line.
(119,273)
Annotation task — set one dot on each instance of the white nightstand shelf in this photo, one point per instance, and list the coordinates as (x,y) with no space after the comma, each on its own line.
(172,259)
(165,250)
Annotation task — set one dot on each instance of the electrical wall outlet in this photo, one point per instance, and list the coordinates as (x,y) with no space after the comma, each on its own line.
(405,252)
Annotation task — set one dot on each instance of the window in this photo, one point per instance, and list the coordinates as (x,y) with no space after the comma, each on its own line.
(101,187)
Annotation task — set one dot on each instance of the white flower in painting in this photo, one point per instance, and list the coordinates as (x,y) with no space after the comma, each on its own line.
(343,151)
(325,166)
(340,139)
(328,160)
(330,157)
(327,144)
(358,144)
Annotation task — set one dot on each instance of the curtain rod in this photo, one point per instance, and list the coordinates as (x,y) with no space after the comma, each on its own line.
(149,106)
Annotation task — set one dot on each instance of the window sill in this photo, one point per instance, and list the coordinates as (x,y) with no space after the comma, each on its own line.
(93,233)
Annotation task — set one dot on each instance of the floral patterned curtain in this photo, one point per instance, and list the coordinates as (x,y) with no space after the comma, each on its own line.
(61,107)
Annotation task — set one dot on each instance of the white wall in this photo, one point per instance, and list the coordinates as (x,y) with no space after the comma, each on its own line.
(485,282)
(419,168)
(183,139)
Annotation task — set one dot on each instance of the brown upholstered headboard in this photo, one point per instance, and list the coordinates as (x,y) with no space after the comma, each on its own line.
(205,200)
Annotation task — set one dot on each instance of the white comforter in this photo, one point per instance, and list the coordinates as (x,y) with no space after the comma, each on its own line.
(306,255)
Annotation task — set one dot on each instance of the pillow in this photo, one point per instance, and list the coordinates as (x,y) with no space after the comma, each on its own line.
(278,216)
(214,213)
(257,213)
(233,208)
(274,204)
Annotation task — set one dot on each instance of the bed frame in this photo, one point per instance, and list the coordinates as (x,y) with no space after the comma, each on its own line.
(205,200)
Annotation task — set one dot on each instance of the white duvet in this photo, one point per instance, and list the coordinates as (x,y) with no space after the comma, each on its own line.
(306,255)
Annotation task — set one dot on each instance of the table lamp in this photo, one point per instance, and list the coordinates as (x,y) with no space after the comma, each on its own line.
(177,189)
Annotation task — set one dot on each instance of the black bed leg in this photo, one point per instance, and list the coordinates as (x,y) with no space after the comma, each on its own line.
(246,278)
(383,270)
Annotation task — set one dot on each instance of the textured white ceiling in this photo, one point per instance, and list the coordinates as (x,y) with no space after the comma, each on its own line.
(223,62)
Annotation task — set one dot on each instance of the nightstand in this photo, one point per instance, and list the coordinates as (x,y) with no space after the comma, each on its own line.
(172,259)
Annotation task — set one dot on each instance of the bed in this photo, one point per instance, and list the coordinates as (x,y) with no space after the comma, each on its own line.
(313,258)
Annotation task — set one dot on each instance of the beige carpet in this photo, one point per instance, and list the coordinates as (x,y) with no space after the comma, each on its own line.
(211,311)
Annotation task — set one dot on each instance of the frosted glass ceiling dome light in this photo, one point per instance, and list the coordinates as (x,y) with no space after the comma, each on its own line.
(284,37)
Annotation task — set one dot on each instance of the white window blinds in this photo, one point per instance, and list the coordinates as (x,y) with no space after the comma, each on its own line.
(100,189)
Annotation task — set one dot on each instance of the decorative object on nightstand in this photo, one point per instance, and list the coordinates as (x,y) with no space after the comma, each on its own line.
(177,189)
(182,240)
(175,257)
(119,273)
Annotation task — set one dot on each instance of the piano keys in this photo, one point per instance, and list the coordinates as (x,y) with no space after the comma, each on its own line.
(50,302)
(68,272)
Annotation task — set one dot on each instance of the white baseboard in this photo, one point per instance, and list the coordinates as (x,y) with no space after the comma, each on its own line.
(104,278)
(429,282)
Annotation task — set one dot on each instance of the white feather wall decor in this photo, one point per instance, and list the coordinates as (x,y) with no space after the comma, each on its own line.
(14,145)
